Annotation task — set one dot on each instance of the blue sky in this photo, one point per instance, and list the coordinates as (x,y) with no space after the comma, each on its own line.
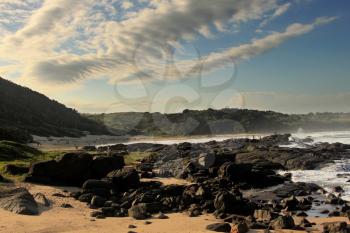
(166,55)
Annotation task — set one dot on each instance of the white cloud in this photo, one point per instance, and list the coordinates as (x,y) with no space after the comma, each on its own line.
(127,5)
(278,12)
(63,41)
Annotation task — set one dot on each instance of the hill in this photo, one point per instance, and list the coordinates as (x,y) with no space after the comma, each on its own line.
(24,112)
(224,121)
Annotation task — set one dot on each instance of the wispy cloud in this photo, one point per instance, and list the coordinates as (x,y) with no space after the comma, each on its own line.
(64,41)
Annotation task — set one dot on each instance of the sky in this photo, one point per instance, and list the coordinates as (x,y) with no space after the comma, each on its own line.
(101,56)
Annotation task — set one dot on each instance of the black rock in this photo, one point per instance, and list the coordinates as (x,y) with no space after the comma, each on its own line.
(13,169)
(97,201)
(138,212)
(102,165)
(66,205)
(124,179)
(219,227)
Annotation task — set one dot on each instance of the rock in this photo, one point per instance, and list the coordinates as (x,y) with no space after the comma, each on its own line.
(13,169)
(19,201)
(97,201)
(335,227)
(219,227)
(162,216)
(148,222)
(224,201)
(95,213)
(102,165)
(2,178)
(124,179)
(138,212)
(93,184)
(66,205)
(264,215)
(69,169)
(240,228)
(85,197)
(59,195)
(89,148)
(338,189)
(283,222)
(131,226)
(290,203)
(41,199)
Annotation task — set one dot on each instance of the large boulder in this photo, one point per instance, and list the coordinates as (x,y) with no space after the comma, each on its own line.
(19,201)
(102,165)
(69,169)
(124,179)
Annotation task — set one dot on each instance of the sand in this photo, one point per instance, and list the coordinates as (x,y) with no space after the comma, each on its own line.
(77,219)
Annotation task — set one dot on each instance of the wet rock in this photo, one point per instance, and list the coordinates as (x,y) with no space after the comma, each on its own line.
(338,189)
(219,227)
(41,199)
(19,201)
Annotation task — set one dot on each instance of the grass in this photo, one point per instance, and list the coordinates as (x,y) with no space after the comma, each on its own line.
(135,157)
(21,155)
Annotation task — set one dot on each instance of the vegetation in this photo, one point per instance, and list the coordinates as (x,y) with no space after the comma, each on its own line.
(23,110)
(21,155)
(135,157)
(15,134)
(225,121)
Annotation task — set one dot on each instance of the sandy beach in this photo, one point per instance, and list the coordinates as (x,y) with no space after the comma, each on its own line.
(77,219)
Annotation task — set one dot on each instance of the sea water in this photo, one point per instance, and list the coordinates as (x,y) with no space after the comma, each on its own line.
(334,174)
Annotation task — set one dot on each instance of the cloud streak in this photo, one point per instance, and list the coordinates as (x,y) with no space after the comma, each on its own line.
(65,41)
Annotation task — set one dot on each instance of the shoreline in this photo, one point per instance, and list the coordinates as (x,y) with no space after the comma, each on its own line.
(69,143)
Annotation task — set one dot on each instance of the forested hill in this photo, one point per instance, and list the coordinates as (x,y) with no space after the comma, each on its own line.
(224,121)
(24,110)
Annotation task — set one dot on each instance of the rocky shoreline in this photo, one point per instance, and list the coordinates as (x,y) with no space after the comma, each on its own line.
(221,177)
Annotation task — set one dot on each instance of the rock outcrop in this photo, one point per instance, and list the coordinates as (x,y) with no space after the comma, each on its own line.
(19,201)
